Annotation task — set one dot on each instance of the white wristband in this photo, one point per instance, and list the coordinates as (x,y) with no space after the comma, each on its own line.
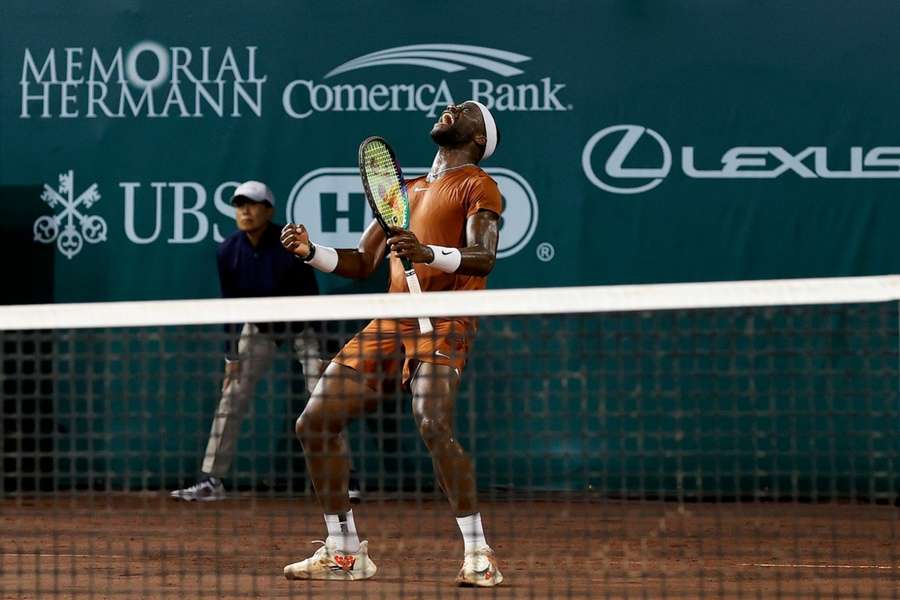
(445,259)
(323,258)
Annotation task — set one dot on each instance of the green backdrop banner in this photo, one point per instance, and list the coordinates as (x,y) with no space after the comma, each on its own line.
(643,141)
(658,141)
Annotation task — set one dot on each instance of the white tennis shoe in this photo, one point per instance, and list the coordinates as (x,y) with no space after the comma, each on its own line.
(328,563)
(480,569)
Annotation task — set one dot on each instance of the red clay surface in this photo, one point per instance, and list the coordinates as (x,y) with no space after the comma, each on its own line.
(142,546)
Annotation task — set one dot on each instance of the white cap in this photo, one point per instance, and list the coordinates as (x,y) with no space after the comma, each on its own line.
(254,190)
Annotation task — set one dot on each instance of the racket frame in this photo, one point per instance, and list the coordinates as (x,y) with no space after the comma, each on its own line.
(409,271)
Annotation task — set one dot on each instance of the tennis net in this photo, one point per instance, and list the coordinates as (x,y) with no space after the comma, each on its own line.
(728,439)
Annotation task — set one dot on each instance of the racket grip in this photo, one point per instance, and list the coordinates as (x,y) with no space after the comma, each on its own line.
(412,282)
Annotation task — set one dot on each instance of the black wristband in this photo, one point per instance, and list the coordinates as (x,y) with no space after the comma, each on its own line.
(312,253)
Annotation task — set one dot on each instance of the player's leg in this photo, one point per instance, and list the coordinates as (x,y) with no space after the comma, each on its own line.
(255,351)
(341,395)
(434,397)
(308,353)
(346,389)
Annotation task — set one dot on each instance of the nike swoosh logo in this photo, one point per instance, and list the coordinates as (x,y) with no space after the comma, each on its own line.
(446,252)
(441,354)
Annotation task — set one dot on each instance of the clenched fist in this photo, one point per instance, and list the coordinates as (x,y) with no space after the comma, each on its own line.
(295,239)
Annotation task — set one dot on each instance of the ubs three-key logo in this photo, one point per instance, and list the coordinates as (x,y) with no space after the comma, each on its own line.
(332,204)
(70,228)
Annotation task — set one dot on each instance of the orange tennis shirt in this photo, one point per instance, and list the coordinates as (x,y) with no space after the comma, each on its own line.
(438,214)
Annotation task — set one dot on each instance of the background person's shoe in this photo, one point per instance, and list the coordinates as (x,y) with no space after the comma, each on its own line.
(209,489)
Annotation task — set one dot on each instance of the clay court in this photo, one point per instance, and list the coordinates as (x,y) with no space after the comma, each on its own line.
(145,546)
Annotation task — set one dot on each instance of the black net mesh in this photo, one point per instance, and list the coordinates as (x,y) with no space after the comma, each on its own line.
(733,452)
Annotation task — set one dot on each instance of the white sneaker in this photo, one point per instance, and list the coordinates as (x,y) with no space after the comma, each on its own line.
(480,569)
(207,490)
(328,563)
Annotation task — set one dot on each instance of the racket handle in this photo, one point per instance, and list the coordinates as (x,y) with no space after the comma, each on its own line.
(412,282)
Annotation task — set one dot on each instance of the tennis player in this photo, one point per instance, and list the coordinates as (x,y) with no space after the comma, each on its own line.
(452,241)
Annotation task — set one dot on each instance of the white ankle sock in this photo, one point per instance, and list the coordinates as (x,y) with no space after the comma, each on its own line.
(342,531)
(472,532)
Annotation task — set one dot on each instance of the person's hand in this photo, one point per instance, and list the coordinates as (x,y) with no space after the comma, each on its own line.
(405,244)
(232,373)
(295,239)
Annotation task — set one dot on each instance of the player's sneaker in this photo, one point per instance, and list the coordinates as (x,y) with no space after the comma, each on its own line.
(205,490)
(328,563)
(480,569)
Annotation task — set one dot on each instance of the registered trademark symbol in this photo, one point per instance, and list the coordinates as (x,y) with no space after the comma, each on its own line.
(571,107)
(545,251)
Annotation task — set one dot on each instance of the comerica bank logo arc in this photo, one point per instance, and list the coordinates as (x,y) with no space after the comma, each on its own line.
(650,161)
(332,204)
(304,97)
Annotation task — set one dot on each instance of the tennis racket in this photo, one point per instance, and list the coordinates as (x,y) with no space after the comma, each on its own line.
(386,192)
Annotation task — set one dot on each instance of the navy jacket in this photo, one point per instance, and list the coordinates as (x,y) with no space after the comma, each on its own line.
(268,269)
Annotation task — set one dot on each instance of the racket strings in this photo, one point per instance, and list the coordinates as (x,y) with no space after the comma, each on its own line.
(385,184)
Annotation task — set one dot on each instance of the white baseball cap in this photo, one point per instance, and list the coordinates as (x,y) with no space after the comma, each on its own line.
(256,191)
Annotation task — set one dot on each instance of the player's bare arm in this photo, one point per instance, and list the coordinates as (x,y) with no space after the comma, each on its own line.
(477,258)
(355,263)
